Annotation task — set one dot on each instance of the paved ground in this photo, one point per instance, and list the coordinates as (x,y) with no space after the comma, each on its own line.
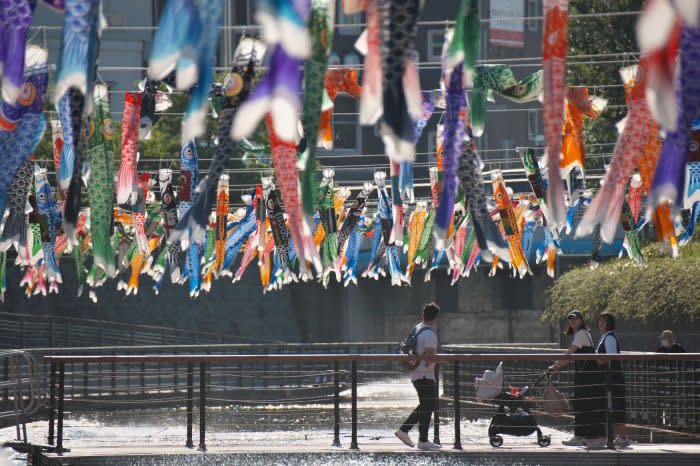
(381,452)
(302,435)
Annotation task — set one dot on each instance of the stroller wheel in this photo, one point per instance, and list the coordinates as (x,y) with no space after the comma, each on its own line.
(496,440)
(544,441)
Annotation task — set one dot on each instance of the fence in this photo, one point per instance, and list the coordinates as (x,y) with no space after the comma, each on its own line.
(105,380)
(22,383)
(28,330)
(659,393)
(200,372)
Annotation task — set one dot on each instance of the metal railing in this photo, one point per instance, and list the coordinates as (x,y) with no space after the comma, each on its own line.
(21,386)
(157,380)
(199,367)
(660,392)
(29,330)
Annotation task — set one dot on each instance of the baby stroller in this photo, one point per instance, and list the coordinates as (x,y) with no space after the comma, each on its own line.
(513,415)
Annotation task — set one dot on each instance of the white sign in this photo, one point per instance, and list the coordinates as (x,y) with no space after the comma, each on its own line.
(506,32)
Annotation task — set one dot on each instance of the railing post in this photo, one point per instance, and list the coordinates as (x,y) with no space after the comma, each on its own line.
(353,410)
(457,407)
(6,375)
(436,416)
(176,377)
(85,379)
(264,377)
(114,377)
(336,405)
(21,334)
(608,407)
(52,402)
(202,405)
(61,395)
(143,379)
(190,403)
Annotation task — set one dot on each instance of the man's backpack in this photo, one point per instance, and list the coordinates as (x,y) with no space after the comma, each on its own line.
(409,345)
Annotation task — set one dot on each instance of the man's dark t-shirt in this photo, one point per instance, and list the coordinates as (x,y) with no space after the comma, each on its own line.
(675,348)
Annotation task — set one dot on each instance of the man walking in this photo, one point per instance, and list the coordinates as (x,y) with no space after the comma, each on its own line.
(423,378)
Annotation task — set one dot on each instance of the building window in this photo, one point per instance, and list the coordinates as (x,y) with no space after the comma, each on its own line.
(508,150)
(533,123)
(436,38)
(351,59)
(532,10)
(346,133)
(333,59)
(432,143)
(482,144)
(345,21)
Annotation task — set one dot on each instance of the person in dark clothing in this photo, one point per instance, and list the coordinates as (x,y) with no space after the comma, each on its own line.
(669,343)
(609,344)
(589,396)
(423,378)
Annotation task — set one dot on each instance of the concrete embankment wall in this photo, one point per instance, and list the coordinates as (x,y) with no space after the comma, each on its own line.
(479,309)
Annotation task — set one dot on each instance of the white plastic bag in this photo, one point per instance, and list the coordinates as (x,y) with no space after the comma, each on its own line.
(490,385)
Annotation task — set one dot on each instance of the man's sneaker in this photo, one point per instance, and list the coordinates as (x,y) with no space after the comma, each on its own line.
(403,436)
(597,443)
(428,446)
(621,442)
(574,442)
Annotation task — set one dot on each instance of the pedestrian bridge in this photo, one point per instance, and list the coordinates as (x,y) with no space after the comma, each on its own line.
(100,406)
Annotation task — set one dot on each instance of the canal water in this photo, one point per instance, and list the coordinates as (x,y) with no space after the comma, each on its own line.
(382,407)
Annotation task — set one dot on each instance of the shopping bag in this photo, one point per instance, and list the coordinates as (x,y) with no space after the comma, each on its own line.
(553,401)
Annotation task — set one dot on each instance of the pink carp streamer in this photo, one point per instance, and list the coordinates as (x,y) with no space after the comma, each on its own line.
(284,159)
(126,177)
(607,205)
(554,43)
(371,105)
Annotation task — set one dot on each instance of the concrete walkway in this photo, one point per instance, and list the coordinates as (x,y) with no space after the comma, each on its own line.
(382,452)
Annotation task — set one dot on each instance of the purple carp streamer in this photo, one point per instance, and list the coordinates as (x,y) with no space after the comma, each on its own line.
(15,20)
(453,138)
(669,179)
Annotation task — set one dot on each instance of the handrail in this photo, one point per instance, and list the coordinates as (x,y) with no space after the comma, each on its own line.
(204,358)
(212,346)
(25,388)
(125,325)
(202,362)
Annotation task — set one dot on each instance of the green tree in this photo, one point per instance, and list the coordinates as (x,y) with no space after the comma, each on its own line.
(665,288)
(602,35)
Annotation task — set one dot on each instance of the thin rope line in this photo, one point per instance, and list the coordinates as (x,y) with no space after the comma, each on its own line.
(248,27)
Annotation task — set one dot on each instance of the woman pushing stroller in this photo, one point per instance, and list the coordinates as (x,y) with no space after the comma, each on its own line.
(589,394)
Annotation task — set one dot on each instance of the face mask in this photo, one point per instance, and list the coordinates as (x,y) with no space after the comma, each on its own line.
(666,343)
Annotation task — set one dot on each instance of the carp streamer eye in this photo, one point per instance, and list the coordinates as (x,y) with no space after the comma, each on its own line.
(107,130)
(234,85)
(26,94)
(188,152)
